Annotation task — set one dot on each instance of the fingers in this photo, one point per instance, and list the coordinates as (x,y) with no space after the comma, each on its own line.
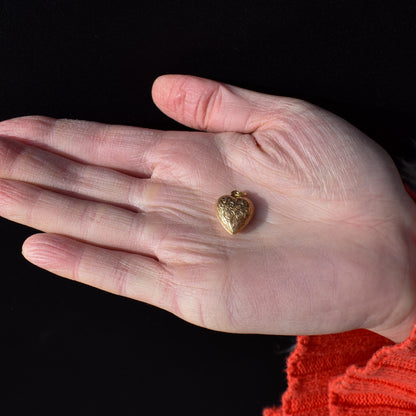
(208,105)
(123,148)
(93,222)
(122,273)
(30,164)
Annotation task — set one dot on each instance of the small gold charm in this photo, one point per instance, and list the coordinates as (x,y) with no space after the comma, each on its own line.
(235,211)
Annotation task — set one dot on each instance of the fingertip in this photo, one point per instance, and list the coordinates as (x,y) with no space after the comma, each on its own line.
(168,93)
(33,249)
(47,251)
(161,79)
(157,87)
(27,247)
(161,87)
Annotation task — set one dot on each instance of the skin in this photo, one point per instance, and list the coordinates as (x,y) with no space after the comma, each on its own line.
(331,246)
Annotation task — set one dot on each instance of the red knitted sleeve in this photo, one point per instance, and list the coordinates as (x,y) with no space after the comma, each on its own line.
(352,373)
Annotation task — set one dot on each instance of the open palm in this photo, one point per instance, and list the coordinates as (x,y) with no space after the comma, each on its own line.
(132,211)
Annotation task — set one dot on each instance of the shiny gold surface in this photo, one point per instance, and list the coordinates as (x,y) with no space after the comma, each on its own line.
(234,211)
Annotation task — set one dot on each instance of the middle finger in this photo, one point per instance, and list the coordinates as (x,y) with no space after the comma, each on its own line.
(22,162)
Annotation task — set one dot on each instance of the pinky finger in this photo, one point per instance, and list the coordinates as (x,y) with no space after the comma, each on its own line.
(125,274)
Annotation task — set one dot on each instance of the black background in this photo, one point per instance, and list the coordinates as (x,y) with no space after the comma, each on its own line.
(71,349)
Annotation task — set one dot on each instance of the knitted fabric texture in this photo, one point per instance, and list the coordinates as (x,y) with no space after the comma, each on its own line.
(351,373)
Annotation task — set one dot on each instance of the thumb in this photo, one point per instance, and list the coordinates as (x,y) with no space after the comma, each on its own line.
(207,105)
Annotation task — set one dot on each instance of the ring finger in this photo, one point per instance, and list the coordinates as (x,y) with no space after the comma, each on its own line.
(93,222)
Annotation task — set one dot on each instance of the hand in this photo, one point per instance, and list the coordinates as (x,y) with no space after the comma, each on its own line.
(132,211)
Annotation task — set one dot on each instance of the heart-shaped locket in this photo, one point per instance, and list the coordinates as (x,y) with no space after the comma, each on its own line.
(234,211)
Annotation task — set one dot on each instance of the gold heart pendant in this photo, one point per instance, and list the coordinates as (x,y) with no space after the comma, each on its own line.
(234,211)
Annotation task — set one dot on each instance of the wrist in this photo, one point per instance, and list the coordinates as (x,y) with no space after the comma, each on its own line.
(405,311)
